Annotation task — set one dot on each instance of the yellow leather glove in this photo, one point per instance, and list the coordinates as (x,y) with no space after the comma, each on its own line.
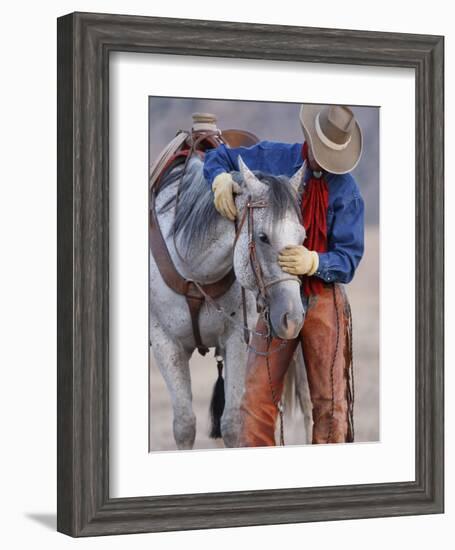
(224,187)
(298,260)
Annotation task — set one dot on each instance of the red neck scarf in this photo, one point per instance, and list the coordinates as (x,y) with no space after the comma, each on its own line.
(315,202)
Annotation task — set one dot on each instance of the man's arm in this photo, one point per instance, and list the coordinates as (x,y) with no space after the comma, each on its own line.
(346,242)
(269,156)
(220,160)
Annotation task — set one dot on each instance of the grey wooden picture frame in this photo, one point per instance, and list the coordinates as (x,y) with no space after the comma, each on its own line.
(85,41)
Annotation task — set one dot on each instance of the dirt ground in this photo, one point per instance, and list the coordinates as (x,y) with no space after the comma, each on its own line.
(363,293)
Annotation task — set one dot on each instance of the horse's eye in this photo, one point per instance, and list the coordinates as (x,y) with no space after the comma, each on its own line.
(263,238)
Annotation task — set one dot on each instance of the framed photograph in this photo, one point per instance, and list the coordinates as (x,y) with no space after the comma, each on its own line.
(250,274)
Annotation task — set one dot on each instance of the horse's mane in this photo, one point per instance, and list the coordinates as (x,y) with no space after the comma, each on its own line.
(196,215)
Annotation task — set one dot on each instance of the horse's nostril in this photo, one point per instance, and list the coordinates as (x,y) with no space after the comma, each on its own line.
(288,321)
(288,325)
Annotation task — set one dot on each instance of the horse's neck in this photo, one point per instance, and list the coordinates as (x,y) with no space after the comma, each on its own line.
(205,262)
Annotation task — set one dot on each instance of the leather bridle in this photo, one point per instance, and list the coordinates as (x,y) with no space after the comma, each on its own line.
(262,285)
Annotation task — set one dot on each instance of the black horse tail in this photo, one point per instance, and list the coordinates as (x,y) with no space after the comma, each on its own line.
(217,402)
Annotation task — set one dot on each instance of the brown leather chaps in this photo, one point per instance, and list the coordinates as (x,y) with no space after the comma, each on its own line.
(327,378)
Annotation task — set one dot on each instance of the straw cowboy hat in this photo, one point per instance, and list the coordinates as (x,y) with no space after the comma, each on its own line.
(334,136)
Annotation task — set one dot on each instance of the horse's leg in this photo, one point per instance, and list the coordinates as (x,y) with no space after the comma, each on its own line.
(173,363)
(235,357)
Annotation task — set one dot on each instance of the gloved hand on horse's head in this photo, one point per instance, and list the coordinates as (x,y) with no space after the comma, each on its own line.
(224,187)
(298,260)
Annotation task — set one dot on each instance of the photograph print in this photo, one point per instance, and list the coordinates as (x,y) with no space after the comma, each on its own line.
(263,274)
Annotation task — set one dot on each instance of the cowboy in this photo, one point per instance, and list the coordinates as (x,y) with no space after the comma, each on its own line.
(333,216)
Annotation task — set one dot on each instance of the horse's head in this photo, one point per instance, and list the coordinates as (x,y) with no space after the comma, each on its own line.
(269,215)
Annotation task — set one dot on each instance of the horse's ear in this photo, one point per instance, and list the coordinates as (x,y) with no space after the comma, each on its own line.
(296,179)
(254,186)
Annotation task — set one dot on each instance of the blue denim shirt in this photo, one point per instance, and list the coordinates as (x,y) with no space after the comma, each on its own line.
(345,213)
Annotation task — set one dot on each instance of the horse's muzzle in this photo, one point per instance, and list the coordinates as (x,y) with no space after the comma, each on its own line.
(289,327)
(286,311)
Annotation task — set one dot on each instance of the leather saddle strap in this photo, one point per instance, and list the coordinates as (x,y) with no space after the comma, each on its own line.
(163,259)
(179,284)
(218,288)
(195,301)
(194,306)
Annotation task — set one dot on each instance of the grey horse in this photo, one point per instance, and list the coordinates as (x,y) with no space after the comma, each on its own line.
(200,243)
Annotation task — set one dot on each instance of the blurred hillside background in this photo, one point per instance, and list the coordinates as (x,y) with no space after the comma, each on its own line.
(280,122)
